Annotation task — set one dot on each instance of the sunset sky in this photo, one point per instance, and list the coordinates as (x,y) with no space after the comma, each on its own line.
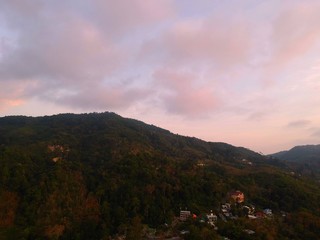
(243,72)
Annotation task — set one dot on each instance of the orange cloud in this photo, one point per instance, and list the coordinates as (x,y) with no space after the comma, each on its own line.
(6,103)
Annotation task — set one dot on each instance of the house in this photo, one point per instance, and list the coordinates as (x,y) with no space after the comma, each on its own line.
(56,159)
(251,216)
(260,214)
(184,232)
(236,196)
(212,218)
(223,210)
(249,209)
(267,212)
(250,232)
(184,215)
(245,161)
(283,213)
(201,164)
(226,206)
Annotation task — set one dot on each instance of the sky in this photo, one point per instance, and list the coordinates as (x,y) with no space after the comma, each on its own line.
(245,72)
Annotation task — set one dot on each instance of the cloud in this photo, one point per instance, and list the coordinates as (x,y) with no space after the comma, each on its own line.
(6,103)
(123,17)
(296,29)
(295,32)
(59,47)
(195,59)
(316,133)
(183,62)
(116,18)
(11,94)
(299,124)
(75,53)
(181,93)
(203,41)
(102,97)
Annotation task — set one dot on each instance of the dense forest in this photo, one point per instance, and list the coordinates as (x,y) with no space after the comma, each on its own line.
(99,176)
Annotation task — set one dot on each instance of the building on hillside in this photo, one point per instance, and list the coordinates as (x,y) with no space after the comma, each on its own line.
(212,218)
(260,214)
(184,215)
(249,231)
(226,206)
(267,212)
(250,216)
(236,196)
(249,210)
(245,161)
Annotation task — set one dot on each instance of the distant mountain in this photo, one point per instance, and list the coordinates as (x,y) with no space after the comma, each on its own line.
(306,153)
(99,175)
(303,160)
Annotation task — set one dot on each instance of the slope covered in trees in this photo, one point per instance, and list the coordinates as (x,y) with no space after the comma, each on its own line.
(91,176)
(306,153)
(304,160)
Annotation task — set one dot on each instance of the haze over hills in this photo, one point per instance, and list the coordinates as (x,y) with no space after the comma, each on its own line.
(96,176)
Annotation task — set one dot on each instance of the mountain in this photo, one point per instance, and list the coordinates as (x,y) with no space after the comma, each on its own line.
(304,153)
(304,160)
(99,175)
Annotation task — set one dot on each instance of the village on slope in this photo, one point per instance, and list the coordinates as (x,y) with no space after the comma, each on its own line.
(232,209)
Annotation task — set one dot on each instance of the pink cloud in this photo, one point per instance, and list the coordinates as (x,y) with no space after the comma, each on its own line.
(299,123)
(124,17)
(214,40)
(10,103)
(72,50)
(296,31)
(316,133)
(11,94)
(181,95)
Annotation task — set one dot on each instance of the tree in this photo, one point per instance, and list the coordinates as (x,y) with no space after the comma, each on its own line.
(135,229)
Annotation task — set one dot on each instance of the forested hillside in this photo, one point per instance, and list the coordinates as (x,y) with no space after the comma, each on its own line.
(304,160)
(96,176)
(304,153)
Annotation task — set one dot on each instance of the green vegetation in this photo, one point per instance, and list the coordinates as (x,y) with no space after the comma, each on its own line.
(92,176)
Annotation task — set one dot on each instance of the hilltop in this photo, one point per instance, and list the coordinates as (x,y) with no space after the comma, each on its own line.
(91,176)
(304,160)
(304,153)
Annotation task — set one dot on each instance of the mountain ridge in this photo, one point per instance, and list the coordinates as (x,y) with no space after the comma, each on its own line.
(98,175)
(310,152)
